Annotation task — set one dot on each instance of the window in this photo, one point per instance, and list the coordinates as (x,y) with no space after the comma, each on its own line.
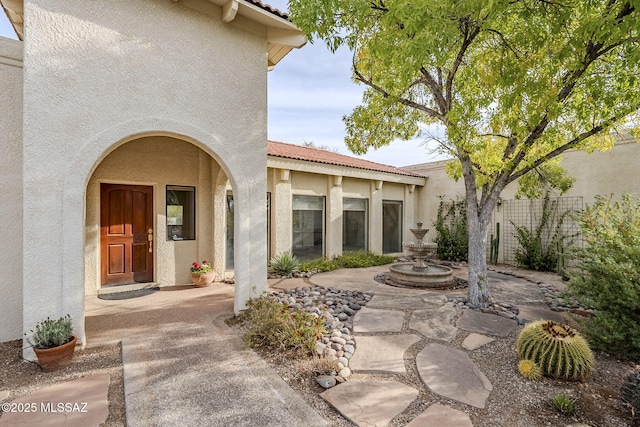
(354,224)
(181,213)
(308,227)
(391,227)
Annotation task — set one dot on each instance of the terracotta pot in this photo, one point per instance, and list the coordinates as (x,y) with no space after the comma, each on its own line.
(204,279)
(52,359)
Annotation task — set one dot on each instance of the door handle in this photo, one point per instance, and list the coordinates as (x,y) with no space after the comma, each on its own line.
(150,238)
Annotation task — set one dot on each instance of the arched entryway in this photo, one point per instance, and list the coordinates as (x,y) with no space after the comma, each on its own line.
(150,214)
(76,252)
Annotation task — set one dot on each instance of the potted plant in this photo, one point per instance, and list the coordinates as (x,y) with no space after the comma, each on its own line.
(202,274)
(54,343)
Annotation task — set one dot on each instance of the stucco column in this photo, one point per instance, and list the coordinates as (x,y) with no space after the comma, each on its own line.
(281,222)
(219,222)
(205,211)
(375,222)
(250,237)
(409,212)
(53,257)
(11,178)
(334,216)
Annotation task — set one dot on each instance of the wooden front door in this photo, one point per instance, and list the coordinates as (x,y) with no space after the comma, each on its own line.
(126,233)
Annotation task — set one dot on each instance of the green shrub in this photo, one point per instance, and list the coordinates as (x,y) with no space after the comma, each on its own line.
(559,350)
(361,259)
(277,326)
(610,275)
(451,228)
(564,403)
(539,247)
(51,333)
(631,391)
(284,264)
(349,259)
(319,264)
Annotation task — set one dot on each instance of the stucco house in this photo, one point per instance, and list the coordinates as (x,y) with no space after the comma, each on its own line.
(323,203)
(131,147)
(124,122)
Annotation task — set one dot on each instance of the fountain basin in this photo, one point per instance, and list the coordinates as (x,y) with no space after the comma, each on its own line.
(421,249)
(434,276)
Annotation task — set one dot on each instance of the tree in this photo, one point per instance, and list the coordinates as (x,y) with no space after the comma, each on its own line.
(511,83)
(324,147)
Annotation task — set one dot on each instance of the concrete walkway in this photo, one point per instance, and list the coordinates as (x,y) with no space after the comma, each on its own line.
(184,366)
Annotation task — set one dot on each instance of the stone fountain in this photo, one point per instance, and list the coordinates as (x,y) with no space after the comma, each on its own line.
(419,274)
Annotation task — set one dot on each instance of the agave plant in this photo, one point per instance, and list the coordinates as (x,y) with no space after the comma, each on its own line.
(284,264)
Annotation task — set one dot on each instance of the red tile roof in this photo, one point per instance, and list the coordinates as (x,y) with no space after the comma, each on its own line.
(298,152)
(269,8)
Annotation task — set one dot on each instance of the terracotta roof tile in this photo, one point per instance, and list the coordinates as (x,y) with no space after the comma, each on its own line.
(298,152)
(269,8)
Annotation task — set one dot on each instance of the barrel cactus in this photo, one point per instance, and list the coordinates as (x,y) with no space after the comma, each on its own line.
(559,350)
(530,370)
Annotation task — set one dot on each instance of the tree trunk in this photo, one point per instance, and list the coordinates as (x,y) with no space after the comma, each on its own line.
(478,292)
(478,217)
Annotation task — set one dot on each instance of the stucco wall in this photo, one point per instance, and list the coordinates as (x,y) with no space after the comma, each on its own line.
(158,162)
(99,74)
(335,184)
(601,173)
(11,201)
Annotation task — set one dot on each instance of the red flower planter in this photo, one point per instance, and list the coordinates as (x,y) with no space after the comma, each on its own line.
(203,279)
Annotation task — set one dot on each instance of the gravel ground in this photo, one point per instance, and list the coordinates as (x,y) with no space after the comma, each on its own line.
(20,377)
(513,402)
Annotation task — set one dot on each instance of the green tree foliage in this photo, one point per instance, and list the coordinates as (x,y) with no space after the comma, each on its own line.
(610,282)
(512,84)
(451,227)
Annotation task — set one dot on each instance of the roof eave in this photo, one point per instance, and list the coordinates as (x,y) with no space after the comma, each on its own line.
(282,35)
(309,166)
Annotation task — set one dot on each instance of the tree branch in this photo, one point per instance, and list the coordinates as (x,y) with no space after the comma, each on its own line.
(593,51)
(469,36)
(404,101)
(571,144)
(505,42)
(436,90)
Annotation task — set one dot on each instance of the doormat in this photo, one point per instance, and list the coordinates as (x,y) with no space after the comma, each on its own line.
(128,294)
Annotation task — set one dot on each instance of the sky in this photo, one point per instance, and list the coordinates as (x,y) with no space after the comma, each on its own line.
(309,92)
